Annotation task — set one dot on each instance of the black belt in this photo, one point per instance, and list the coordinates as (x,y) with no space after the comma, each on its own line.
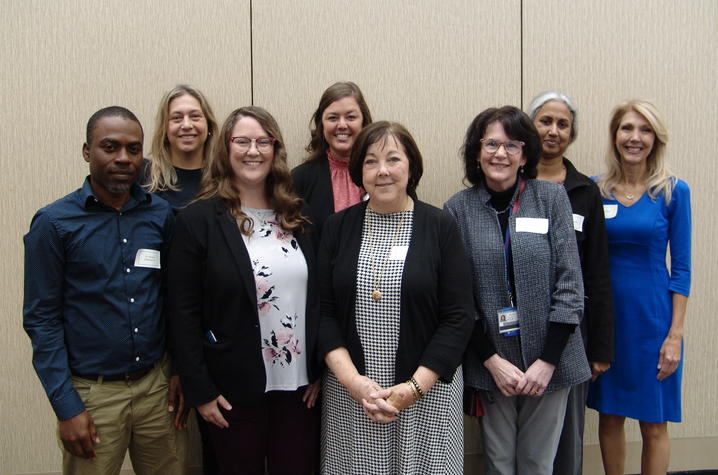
(129,376)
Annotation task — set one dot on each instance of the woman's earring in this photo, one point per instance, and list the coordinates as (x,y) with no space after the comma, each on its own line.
(521,171)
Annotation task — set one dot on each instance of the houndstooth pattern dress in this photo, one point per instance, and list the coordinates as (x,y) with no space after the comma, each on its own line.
(427,438)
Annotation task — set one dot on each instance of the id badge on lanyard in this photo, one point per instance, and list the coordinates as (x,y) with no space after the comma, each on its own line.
(508,321)
(508,317)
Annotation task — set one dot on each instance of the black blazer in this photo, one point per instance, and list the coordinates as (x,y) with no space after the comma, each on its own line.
(211,287)
(313,183)
(437,307)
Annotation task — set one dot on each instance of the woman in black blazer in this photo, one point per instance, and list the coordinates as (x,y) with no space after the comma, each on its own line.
(396,315)
(323,179)
(242,306)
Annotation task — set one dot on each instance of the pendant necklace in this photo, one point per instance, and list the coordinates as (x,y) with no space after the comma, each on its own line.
(376,278)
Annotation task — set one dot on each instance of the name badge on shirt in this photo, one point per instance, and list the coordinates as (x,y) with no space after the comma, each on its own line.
(147,258)
(610,211)
(578,222)
(532,225)
(508,318)
(398,253)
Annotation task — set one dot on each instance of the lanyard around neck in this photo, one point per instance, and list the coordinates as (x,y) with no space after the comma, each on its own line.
(507,242)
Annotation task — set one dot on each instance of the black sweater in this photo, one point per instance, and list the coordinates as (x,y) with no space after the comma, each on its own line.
(437,311)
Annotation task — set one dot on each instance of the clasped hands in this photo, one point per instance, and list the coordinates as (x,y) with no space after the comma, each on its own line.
(380,404)
(511,381)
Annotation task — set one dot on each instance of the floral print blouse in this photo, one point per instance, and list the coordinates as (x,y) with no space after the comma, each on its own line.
(280,275)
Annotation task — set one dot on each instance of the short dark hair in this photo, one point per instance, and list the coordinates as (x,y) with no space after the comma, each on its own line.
(377,131)
(112,111)
(517,126)
(318,146)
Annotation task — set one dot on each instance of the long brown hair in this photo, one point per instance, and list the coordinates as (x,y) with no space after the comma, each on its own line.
(218,179)
(318,146)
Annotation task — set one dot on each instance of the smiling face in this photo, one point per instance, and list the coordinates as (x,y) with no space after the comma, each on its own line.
(341,122)
(553,122)
(499,168)
(250,167)
(186,125)
(634,138)
(115,155)
(385,175)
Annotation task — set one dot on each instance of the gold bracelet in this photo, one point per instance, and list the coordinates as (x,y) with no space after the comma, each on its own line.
(414,392)
(418,388)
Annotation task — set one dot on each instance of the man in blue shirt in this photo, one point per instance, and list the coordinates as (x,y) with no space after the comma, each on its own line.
(93,309)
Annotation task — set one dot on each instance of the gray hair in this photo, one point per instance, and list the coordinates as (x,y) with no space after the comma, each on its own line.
(546,96)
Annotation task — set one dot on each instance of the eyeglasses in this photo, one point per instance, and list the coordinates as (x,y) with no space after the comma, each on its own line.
(263,144)
(512,147)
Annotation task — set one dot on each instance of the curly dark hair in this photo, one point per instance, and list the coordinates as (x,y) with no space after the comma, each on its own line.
(517,126)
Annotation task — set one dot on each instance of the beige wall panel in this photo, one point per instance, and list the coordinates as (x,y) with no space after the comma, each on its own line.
(427,65)
(62,61)
(664,51)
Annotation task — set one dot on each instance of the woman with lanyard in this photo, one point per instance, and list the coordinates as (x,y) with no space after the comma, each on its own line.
(554,116)
(525,353)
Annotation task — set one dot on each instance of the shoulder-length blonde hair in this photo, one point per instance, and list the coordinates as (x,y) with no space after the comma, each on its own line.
(659,179)
(162,175)
(219,181)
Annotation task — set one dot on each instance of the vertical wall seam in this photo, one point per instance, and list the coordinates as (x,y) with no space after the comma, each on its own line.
(521,42)
(251,54)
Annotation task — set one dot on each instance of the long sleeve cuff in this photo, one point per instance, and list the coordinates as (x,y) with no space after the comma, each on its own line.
(482,343)
(556,340)
(68,406)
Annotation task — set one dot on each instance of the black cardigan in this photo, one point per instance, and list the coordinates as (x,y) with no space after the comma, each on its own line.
(437,310)
(211,287)
(597,323)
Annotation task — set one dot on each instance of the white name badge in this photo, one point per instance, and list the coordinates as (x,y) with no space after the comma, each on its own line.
(532,225)
(398,253)
(147,258)
(610,211)
(578,222)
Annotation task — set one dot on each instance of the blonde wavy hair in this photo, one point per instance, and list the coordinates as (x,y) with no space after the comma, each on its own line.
(659,179)
(218,179)
(162,175)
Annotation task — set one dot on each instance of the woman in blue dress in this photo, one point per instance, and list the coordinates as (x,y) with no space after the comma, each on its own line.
(646,210)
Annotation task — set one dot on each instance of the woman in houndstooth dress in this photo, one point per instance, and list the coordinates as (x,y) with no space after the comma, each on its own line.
(396,317)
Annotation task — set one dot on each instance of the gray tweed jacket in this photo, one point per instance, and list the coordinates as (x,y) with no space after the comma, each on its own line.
(547,272)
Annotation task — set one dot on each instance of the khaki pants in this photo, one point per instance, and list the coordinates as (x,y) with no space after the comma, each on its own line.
(130,415)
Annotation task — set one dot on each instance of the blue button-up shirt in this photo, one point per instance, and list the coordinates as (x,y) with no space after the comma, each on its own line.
(93,289)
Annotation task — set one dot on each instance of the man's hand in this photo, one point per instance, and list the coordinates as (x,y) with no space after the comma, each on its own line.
(175,402)
(79,436)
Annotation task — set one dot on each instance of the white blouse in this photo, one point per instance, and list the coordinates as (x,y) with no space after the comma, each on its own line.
(280,275)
